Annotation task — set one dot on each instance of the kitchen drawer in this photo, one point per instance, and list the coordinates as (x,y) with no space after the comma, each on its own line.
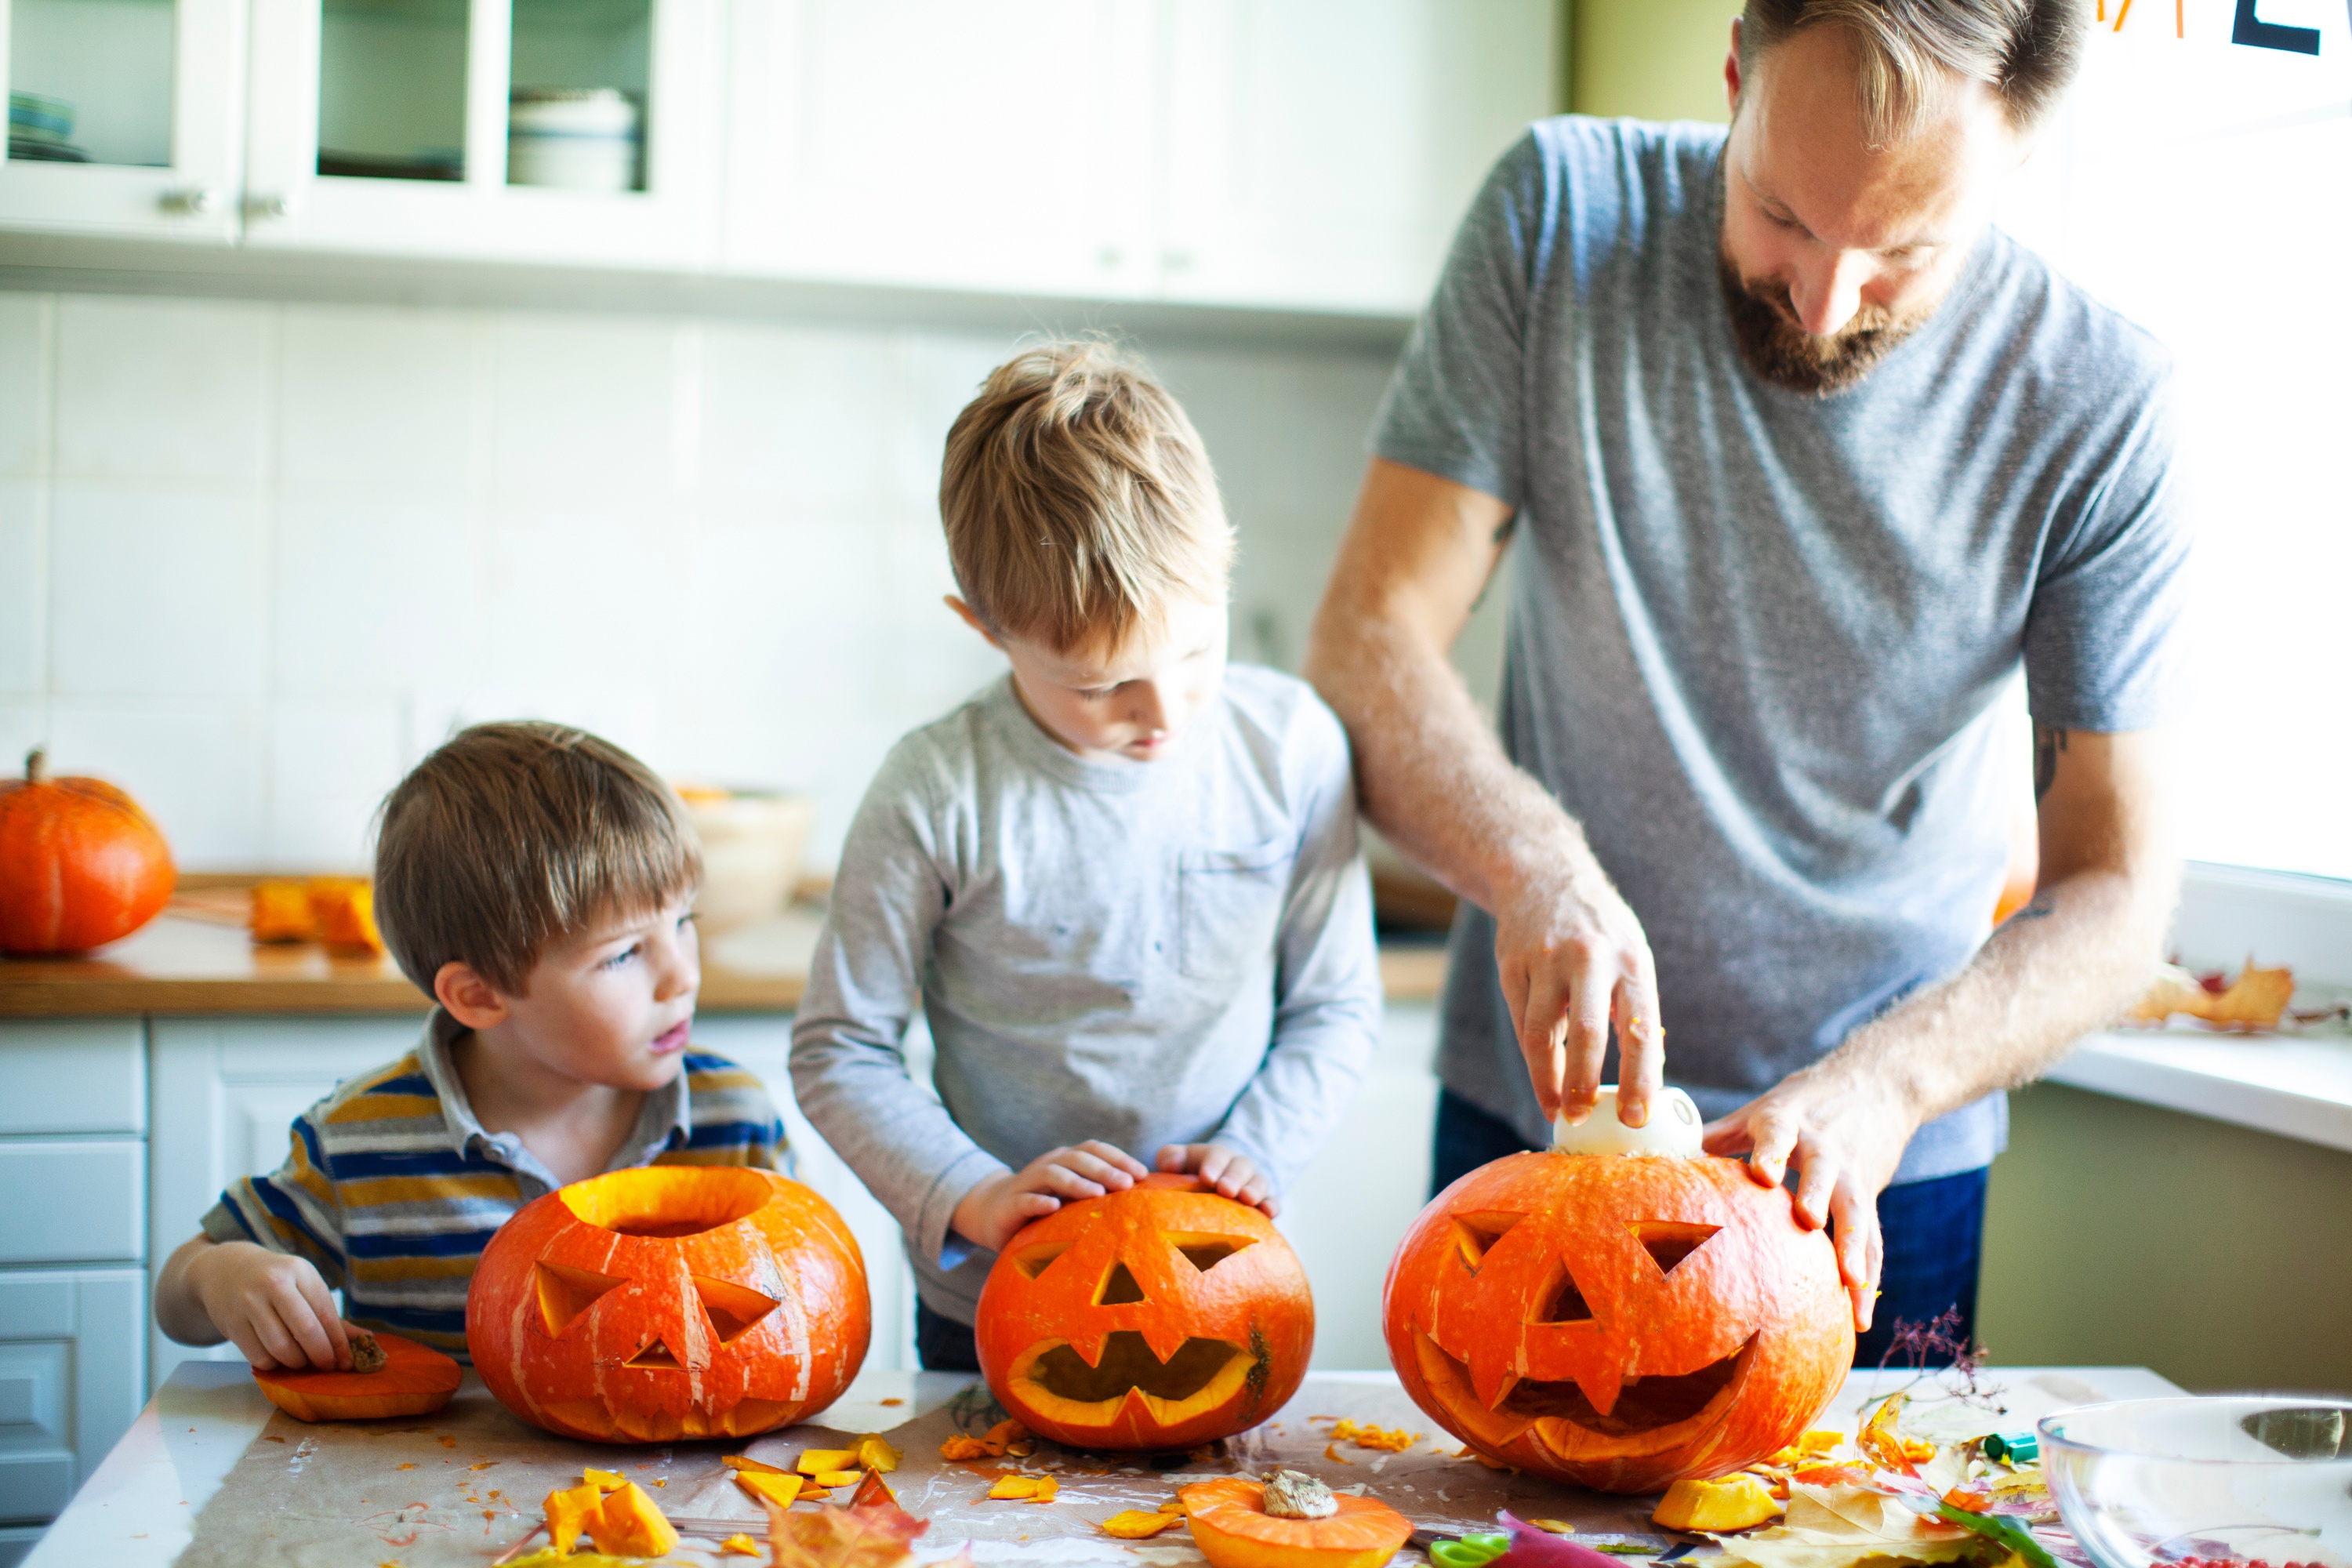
(73,1201)
(77,1075)
(72,1349)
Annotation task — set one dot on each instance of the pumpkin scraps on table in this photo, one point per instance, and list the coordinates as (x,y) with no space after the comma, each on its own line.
(1382,1439)
(1007,1436)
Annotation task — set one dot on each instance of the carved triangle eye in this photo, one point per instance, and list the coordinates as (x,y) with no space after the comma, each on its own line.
(733,1309)
(656,1356)
(1474,1234)
(1039,1258)
(565,1292)
(1668,1242)
(1560,1302)
(1119,1288)
(1205,1252)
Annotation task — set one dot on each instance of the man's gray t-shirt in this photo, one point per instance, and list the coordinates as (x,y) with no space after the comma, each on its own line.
(1171,952)
(1757,635)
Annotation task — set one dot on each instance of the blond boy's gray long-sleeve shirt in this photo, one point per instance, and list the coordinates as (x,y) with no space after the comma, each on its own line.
(1172,951)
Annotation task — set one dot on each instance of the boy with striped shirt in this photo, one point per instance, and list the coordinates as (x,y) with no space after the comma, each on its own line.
(535,880)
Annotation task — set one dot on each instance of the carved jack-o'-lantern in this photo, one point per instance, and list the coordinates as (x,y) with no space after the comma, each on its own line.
(669,1301)
(1621,1320)
(1156,1317)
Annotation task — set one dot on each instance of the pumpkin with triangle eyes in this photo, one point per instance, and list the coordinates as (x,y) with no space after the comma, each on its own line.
(1160,1316)
(669,1301)
(1619,1320)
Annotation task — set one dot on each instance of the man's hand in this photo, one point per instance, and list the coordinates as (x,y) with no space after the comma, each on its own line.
(991,1214)
(1233,1174)
(1573,961)
(1845,1133)
(272,1306)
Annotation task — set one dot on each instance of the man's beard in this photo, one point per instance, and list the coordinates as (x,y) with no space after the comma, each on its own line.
(1764,323)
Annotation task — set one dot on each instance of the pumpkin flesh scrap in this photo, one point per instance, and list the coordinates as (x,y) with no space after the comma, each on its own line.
(1233,1530)
(629,1524)
(415,1380)
(1735,1502)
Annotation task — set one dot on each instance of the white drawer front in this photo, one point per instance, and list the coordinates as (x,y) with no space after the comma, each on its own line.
(71,1355)
(77,1074)
(82,1201)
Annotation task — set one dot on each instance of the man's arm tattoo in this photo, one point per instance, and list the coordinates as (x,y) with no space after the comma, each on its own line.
(2047,743)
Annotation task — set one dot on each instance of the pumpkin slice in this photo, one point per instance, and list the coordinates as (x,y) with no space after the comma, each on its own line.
(630,1524)
(1735,1502)
(570,1513)
(415,1380)
(1233,1530)
(776,1485)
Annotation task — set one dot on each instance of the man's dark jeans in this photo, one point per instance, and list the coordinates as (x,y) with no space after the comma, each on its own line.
(941,1344)
(1934,1229)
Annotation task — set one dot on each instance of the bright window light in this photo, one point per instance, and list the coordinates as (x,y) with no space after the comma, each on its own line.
(2203,187)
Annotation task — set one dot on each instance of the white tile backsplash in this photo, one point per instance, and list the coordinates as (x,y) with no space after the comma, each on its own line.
(582,406)
(201,771)
(378,397)
(163,389)
(256,558)
(25,361)
(157,592)
(24,588)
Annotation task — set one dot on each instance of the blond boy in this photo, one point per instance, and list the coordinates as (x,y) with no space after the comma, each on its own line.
(536,881)
(1122,884)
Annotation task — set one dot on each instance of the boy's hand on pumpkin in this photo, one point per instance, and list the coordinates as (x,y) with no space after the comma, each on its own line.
(273,1306)
(1574,961)
(991,1214)
(1843,1136)
(1231,1172)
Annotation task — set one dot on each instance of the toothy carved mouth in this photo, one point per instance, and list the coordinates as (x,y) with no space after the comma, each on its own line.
(1643,1404)
(1127,1362)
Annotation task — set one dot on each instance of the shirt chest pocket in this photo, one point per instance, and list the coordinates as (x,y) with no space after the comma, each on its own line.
(1229,906)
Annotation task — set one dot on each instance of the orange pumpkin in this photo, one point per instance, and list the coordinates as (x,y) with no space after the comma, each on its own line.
(1617,1321)
(669,1301)
(80,865)
(1233,1530)
(414,1381)
(1156,1317)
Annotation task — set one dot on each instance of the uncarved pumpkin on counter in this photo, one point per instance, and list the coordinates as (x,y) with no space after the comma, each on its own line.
(81,864)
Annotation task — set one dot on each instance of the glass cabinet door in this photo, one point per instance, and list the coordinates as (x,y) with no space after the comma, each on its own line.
(123,116)
(565,130)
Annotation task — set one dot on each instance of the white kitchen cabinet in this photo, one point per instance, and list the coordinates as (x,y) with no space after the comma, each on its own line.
(381,127)
(1320,153)
(1003,144)
(142,119)
(69,1380)
(226,1090)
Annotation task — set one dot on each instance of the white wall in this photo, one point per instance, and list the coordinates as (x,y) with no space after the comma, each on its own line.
(255,559)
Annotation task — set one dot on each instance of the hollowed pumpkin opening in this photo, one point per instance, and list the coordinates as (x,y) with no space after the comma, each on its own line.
(668,1200)
(565,1292)
(1037,1260)
(1643,1404)
(733,1309)
(1668,1242)
(1119,1288)
(1127,1362)
(1205,1252)
(1562,1301)
(1475,1232)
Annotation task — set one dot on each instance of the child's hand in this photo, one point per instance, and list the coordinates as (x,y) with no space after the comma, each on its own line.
(275,1308)
(992,1212)
(1230,1173)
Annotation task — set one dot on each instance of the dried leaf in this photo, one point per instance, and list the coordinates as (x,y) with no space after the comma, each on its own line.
(1839,1526)
(1134,1524)
(2255,1000)
(876,1534)
(1877,1438)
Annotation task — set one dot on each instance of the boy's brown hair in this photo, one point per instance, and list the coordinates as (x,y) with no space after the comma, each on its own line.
(1079,500)
(513,835)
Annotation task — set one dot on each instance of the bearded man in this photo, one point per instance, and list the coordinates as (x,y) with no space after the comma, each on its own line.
(1801,459)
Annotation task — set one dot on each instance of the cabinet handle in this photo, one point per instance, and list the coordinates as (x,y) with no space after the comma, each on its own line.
(268,207)
(193,200)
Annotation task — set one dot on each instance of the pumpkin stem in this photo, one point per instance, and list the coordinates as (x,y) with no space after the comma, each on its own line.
(37,765)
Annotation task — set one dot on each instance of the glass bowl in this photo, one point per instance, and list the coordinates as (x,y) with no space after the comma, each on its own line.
(2150,1483)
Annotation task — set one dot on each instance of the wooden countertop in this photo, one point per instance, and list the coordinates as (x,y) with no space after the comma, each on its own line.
(192,960)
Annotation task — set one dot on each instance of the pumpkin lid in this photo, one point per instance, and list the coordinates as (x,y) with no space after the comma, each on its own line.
(1675,1128)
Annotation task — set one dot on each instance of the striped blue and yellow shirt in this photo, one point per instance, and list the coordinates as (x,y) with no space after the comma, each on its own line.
(393,1188)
